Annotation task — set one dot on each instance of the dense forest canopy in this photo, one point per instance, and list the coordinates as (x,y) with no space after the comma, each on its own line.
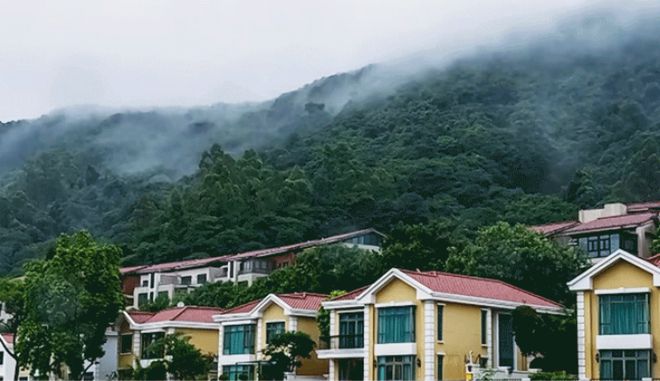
(526,135)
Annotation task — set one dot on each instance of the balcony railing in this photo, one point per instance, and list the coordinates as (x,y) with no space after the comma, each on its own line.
(353,341)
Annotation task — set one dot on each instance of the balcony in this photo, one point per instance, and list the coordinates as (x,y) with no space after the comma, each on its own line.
(342,346)
(255,266)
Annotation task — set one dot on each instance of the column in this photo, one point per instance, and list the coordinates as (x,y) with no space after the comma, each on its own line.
(293,323)
(220,346)
(258,347)
(367,344)
(582,363)
(429,340)
(333,332)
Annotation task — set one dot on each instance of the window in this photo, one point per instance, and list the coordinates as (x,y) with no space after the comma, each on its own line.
(396,325)
(201,278)
(484,327)
(2,358)
(273,329)
(441,361)
(600,245)
(88,376)
(624,365)
(441,310)
(145,283)
(624,314)
(238,372)
(143,299)
(238,339)
(505,340)
(396,368)
(126,343)
(186,280)
(351,330)
(147,340)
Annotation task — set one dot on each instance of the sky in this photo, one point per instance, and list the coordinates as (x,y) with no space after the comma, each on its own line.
(142,54)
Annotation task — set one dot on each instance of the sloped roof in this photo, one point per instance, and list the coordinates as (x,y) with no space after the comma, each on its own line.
(643,206)
(192,314)
(478,287)
(298,300)
(607,223)
(193,263)
(655,259)
(351,294)
(303,245)
(553,227)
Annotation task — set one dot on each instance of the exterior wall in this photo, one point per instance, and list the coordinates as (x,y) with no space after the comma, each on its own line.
(461,335)
(272,313)
(644,239)
(620,275)
(206,340)
(312,366)
(397,292)
(127,360)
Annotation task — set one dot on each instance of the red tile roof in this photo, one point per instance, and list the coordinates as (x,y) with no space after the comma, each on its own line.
(192,263)
(553,227)
(192,314)
(351,294)
(478,287)
(607,223)
(297,300)
(654,259)
(9,338)
(457,284)
(643,206)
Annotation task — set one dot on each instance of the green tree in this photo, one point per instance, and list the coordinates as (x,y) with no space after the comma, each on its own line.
(11,294)
(520,257)
(182,359)
(323,317)
(285,352)
(70,300)
(550,339)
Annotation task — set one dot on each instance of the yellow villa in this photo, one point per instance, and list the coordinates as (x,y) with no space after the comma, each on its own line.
(138,329)
(412,325)
(618,327)
(246,330)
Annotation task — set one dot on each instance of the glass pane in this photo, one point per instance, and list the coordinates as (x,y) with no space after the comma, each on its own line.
(505,340)
(617,370)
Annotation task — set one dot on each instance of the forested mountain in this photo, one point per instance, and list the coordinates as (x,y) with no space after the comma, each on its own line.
(522,135)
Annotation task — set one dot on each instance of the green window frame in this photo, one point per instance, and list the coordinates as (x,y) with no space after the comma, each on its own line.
(147,339)
(201,279)
(400,368)
(351,330)
(239,372)
(441,366)
(484,327)
(238,339)
(624,314)
(126,344)
(441,312)
(625,364)
(273,329)
(396,324)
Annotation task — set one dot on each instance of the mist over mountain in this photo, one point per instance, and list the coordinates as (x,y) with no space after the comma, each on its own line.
(528,132)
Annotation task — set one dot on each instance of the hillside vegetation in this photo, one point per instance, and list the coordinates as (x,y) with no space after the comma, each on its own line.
(528,136)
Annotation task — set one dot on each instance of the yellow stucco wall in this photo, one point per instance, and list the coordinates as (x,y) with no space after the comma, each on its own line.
(621,274)
(461,334)
(398,291)
(126,360)
(272,313)
(206,340)
(312,366)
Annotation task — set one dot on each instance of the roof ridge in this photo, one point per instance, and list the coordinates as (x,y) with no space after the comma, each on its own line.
(436,273)
(302,294)
(555,223)
(624,215)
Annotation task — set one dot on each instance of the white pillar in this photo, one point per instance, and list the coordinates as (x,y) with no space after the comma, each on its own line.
(367,333)
(220,338)
(333,332)
(293,323)
(257,347)
(429,340)
(582,362)
(331,370)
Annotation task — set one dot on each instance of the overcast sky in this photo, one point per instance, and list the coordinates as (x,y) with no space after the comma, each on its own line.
(134,53)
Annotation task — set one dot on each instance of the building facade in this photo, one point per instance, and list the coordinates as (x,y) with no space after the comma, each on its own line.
(143,284)
(600,232)
(138,329)
(618,327)
(245,331)
(412,325)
